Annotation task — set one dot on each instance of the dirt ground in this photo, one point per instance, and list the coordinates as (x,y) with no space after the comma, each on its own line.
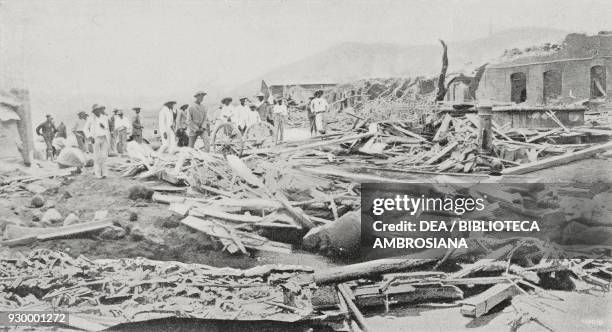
(164,237)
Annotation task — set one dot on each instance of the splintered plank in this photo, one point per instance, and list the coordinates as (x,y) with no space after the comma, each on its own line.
(202,211)
(443,127)
(558,160)
(52,233)
(275,150)
(232,239)
(180,208)
(447,149)
(480,304)
(409,133)
(542,135)
(167,199)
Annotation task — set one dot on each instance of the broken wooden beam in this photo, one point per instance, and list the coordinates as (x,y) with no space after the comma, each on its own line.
(443,128)
(233,239)
(558,160)
(542,135)
(57,232)
(409,133)
(447,149)
(482,303)
(203,211)
(299,216)
(406,292)
(309,146)
(367,269)
(347,295)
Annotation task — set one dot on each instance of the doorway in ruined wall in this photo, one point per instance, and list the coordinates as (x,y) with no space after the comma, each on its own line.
(518,88)
(552,86)
(598,81)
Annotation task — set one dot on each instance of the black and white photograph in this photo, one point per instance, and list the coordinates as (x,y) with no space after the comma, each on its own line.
(306,165)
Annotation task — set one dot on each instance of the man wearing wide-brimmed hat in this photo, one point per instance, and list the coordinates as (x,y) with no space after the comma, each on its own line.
(47,130)
(226,112)
(166,127)
(137,125)
(241,115)
(198,121)
(122,126)
(319,107)
(263,108)
(97,130)
(180,130)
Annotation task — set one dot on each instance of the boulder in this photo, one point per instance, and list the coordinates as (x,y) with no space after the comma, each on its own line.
(37,215)
(133,216)
(71,219)
(51,216)
(137,234)
(38,201)
(113,233)
(140,192)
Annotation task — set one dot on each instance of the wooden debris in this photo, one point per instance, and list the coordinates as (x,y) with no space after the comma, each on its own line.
(346,294)
(480,304)
(558,160)
(59,232)
(203,211)
(234,240)
(447,149)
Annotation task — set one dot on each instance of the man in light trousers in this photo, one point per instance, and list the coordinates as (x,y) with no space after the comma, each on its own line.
(97,130)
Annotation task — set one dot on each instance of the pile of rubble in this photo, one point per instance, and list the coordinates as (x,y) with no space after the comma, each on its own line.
(100,294)
(103,293)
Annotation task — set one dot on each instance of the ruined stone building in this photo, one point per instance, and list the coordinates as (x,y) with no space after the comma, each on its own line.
(580,68)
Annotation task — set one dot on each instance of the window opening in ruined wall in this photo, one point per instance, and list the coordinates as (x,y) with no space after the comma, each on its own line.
(552,86)
(518,92)
(598,81)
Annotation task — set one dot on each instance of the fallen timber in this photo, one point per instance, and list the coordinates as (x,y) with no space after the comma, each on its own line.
(387,283)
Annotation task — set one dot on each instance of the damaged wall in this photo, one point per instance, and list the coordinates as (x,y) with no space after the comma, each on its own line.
(16,125)
(573,64)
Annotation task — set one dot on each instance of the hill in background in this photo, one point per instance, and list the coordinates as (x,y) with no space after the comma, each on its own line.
(352,61)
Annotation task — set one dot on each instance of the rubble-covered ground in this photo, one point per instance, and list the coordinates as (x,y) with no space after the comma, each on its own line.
(177,222)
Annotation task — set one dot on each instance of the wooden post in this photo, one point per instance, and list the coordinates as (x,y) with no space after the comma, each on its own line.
(485,135)
(26,132)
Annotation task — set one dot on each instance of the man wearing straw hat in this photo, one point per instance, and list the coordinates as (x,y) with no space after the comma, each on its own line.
(319,107)
(197,121)
(97,130)
(47,130)
(137,125)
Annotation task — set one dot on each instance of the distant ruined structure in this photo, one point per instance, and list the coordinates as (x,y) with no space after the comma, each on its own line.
(578,69)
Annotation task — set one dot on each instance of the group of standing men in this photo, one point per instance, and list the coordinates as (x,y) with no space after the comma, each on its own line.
(177,127)
(183,126)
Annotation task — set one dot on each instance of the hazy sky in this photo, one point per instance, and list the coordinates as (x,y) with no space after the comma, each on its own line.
(164,48)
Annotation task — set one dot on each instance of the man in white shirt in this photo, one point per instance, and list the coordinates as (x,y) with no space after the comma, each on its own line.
(166,124)
(79,131)
(97,129)
(253,116)
(319,107)
(226,112)
(122,124)
(241,115)
(280,113)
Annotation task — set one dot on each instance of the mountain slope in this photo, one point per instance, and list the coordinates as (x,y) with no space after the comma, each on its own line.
(351,61)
